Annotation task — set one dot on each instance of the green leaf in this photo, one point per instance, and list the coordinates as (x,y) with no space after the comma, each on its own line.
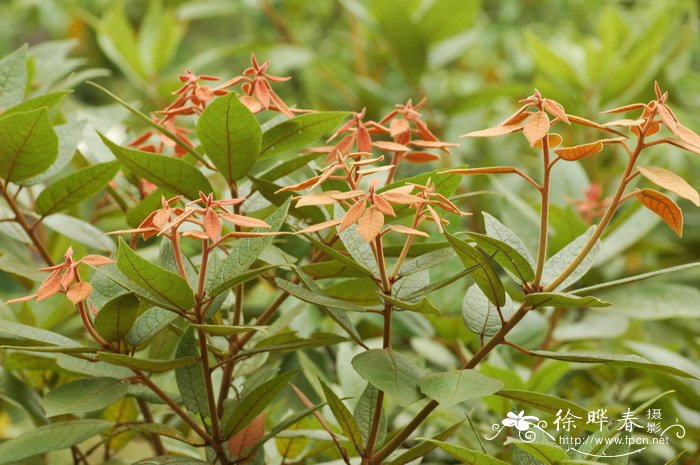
(13,78)
(364,415)
(422,449)
(544,402)
(299,132)
(560,299)
(168,286)
(148,324)
(252,403)
(115,319)
(316,298)
(453,387)
(484,276)
(246,251)
(330,251)
(289,341)
(655,301)
(42,101)
(621,360)
(81,231)
(559,261)
(29,145)
(345,419)
(75,188)
(190,378)
(423,305)
(166,431)
(16,392)
(231,136)
(117,39)
(426,261)
(391,372)
(36,335)
(84,395)
(241,278)
(92,367)
(633,279)
(69,136)
(498,230)
(224,330)
(548,454)
(467,455)
(49,438)
(289,166)
(146,364)
(506,256)
(173,174)
(171,459)
(480,315)
(358,248)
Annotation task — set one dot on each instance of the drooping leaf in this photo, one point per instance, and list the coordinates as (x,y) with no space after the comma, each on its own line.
(505,255)
(316,297)
(391,372)
(424,447)
(663,206)
(29,147)
(243,444)
(75,188)
(560,299)
(190,378)
(69,136)
(299,132)
(495,228)
(37,336)
(226,330)
(172,174)
(148,324)
(171,460)
(116,318)
(92,367)
(168,286)
(80,231)
(546,453)
(622,360)
(453,387)
(231,136)
(253,402)
(49,438)
(467,455)
(364,415)
(484,276)
(671,181)
(146,364)
(423,305)
(344,417)
(480,315)
(241,278)
(655,301)
(495,131)
(426,261)
(84,395)
(579,152)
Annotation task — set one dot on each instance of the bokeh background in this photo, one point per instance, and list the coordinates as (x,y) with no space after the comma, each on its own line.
(472,60)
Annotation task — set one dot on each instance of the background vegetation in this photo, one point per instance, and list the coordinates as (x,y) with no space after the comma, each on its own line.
(472,60)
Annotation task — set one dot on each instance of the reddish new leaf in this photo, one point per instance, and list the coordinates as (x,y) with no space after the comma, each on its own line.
(579,152)
(536,127)
(671,181)
(241,443)
(663,206)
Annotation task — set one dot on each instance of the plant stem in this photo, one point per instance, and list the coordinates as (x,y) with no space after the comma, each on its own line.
(175,239)
(22,221)
(492,343)
(544,215)
(607,216)
(157,443)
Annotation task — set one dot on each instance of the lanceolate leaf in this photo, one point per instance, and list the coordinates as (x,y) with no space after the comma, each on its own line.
(671,181)
(299,132)
(173,174)
(454,387)
(663,206)
(559,261)
(29,145)
(633,279)
(84,395)
(622,360)
(171,460)
(190,378)
(423,305)
(252,403)
(505,255)
(51,437)
(364,415)
(231,136)
(168,286)
(145,364)
(467,455)
(425,447)
(148,324)
(391,372)
(316,297)
(344,417)
(42,101)
(495,228)
(37,336)
(246,251)
(116,317)
(544,402)
(579,152)
(484,276)
(75,188)
(560,299)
